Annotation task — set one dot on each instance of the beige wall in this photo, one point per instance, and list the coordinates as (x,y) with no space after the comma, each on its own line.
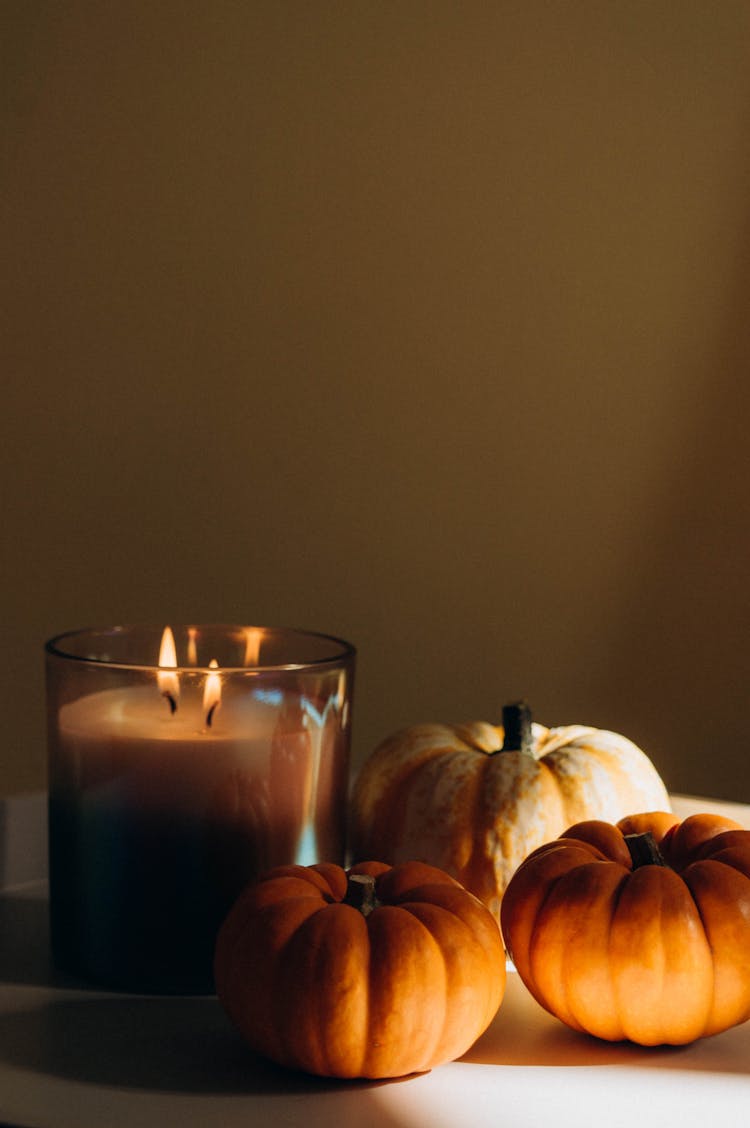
(421,323)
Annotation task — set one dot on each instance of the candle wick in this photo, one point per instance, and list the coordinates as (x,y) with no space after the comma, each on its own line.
(172,702)
(210,714)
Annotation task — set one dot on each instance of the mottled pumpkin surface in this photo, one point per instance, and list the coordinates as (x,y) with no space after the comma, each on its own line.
(447,795)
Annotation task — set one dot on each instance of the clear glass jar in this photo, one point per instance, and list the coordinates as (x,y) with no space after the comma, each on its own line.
(182,764)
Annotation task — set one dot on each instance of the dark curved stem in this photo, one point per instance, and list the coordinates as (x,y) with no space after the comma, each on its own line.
(643,850)
(517,734)
(360,893)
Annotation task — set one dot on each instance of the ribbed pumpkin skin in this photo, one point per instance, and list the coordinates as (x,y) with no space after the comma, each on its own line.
(656,954)
(445,794)
(315,985)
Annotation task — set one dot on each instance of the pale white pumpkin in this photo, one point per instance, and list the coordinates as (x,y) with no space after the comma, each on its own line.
(465,799)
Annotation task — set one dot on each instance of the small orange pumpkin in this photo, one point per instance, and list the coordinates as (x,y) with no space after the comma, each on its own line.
(476,799)
(377,972)
(639,931)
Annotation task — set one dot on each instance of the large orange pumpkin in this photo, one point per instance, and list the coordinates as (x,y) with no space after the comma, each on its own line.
(376,973)
(639,931)
(476,799)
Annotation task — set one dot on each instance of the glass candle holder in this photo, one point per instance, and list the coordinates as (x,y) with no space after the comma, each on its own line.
(182,764)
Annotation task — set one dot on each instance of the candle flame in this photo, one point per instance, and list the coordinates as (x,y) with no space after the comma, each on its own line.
(253,639)
(169,684)
(211,692)
(192,649)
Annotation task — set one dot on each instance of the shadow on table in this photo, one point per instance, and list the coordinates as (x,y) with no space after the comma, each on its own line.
(527,1036)
(180,1045)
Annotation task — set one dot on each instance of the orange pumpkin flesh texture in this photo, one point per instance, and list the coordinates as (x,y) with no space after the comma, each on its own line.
(655,953)
(453,796)
(319,985)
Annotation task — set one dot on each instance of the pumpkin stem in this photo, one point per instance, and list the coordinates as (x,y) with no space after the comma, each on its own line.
(643,850)
(360,893)
(517,733)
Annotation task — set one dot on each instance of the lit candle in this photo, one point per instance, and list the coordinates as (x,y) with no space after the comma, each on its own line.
(168,792)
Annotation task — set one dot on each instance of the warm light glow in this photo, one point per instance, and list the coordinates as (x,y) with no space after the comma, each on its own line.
(192,655)
(212,692)
(169,684)
(253,639)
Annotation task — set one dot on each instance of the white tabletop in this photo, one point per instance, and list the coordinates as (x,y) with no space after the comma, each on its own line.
(74,1058)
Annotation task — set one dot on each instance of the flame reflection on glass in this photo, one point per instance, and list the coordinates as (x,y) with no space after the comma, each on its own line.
(253,639)
(211,692)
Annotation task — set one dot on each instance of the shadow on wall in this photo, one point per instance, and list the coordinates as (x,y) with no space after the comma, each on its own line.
(23,840)
(681,660)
